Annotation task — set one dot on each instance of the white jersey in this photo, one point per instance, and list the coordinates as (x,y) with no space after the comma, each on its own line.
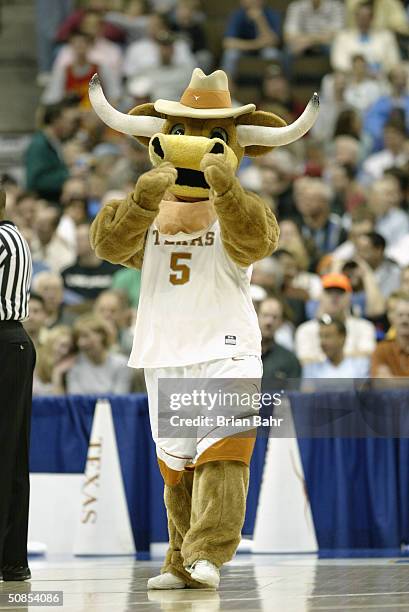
(195,302)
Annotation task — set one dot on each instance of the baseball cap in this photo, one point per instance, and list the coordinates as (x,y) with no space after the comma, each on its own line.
(336,281)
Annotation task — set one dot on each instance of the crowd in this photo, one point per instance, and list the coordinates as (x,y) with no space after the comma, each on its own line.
(333,300)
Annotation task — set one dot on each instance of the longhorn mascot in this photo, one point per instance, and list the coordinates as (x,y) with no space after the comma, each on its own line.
(195,232)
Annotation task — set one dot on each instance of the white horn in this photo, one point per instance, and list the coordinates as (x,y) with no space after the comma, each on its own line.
(248,135)
(121,122)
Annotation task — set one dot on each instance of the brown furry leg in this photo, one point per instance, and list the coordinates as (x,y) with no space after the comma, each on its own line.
(178,500)
(218,511)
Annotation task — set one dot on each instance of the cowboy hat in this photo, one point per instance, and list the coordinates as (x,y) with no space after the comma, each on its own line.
(206,97)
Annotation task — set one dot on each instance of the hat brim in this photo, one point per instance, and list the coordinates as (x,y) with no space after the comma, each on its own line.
(176,109)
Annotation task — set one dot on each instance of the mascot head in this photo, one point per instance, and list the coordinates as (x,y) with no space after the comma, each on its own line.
(203,121)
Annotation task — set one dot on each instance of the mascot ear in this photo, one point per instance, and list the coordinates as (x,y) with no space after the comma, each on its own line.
(260,118)
(146,110)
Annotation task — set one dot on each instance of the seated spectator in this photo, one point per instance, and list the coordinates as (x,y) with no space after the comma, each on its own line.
(186,21)
(395,153)
(46,170)
(97,370)
(277,95)
(367,298)
(335,301)
(291,240)
(133,19)
(278,362)
(253,28)
(73,78)
(384,200)
(391,357)
(297,282)
(47,246)
(144,55)
(389,14)
(379,47)
(50,287)
(113,307)
(75,214)
(325,229)
(102,52)
(26,208)
(332,338)
(54,358)
(312,24)
(74,21)
(362,89)
(371,248)
(166,80)
(332,102)
(35,325)
(89,275)
(348,194)
(362,222)
(379,113)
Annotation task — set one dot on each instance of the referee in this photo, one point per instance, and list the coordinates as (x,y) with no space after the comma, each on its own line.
(17,360)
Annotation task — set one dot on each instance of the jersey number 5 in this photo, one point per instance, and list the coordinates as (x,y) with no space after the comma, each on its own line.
(181,270)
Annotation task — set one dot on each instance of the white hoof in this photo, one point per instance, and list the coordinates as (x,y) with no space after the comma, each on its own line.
(166,581)
(205,572)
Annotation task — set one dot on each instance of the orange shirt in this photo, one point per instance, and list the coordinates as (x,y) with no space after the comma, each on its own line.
(389,353)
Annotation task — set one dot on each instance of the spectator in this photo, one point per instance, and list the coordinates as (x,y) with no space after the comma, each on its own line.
(26,209)
(348,193)
(332,337)
(278,362)
(296,281)
(97,370)
(145,55)
(389,14)
(291,240)
(391,357)
(362,222)
(55,358)
(253,28)
(75,20)
(50,287)
(335,301)
(133,19)
(312,24)
(318,223)
(394,154)
(89,275)
(384,200)
(362,89)
(48,17)
(367,298)
(35,324)
(186,22)
(379,47)
(277,95)
(102,52)
(45,166)
(371,248)
(113,307)
(169,78)
(74,77)
(128,281)
(47,246)
(382,109)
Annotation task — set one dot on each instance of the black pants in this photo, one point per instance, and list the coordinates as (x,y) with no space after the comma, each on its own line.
(17,360)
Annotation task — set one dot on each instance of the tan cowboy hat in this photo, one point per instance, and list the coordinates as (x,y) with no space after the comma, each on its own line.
(206,97)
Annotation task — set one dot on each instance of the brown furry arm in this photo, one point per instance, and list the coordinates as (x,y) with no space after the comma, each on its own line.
(118,232)
(249,229)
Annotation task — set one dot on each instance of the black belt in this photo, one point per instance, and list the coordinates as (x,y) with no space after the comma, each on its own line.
(10,324)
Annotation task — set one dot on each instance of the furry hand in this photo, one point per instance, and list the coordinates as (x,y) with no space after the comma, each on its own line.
(218,173)
(152,185)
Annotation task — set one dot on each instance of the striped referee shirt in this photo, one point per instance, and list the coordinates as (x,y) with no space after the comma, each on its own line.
(15,273)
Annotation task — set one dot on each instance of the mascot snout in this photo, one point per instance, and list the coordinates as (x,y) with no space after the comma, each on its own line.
(185,153)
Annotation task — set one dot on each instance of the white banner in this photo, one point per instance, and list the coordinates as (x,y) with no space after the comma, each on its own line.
(104,527)
(284,521)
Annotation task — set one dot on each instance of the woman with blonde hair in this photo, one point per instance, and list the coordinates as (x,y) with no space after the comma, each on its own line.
(97,369)
(54,359)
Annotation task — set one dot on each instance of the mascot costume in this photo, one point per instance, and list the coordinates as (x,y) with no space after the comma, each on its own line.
(195,232)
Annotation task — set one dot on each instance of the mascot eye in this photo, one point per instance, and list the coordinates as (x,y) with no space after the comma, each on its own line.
(177,130)
(218,132)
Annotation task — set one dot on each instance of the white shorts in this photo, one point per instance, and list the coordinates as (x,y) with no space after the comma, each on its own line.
(177,452)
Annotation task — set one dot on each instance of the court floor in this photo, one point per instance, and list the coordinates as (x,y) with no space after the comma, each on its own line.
(264,583)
